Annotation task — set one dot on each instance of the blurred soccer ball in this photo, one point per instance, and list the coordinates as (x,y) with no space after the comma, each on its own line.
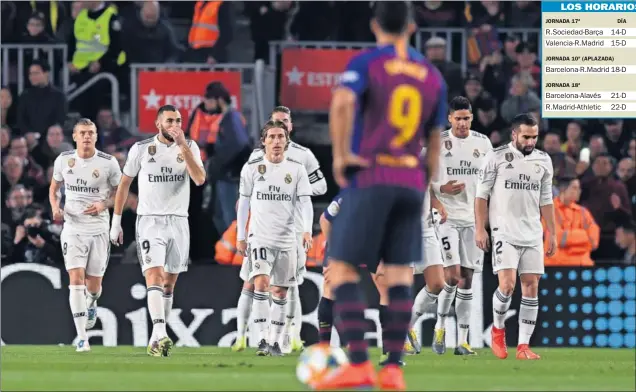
(317,360)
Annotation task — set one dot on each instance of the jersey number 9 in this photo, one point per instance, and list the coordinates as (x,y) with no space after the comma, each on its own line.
(405,113)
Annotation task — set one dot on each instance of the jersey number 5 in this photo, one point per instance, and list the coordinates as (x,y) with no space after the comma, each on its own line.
(405,113)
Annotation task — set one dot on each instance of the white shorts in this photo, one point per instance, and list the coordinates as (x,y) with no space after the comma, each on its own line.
(525,259)
(302,260)
(279,265)
(90,252)
(163,241)
(460,248)
(432,254)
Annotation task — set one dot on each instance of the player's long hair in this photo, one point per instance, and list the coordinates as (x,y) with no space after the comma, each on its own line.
(271,124)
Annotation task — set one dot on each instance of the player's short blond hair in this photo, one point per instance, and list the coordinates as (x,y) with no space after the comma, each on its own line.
(271,124)
(85,122)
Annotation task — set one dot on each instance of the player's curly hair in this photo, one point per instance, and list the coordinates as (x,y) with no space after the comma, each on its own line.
(271,124)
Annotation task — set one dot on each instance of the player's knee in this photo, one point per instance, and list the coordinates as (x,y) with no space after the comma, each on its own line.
(280,292)
(248,286)
(530,285)
(507,287)
(93,283)
(261,283)
(168,288)
(154,277)
(341,273)
(435,286)
(76,276)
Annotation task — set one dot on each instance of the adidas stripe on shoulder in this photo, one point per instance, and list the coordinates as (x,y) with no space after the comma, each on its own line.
(104,155)
(255,160)
(70,152)
(293,160)
(145,141)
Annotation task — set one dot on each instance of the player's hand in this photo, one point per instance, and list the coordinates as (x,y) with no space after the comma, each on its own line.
(116,235)
(482,240)
(241,247)
(552,246)
(436,204)
(95,209)
(345,165)
(177,136)
(307,241)
(58,214)
(452,187)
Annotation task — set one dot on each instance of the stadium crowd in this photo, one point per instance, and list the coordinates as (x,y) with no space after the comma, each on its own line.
(593,159)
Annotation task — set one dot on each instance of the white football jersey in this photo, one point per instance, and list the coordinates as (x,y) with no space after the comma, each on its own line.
(306,158)
(428,229)
(273,189)
(164,182)
(517,186)
(460,160)
(86,181)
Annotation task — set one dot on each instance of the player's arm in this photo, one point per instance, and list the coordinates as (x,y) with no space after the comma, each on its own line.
(56,183)
(435,128)
(316,178)
(546,205)
(329,215)
(303,192)
(353,84)
(131,169)
(194,164)
(114,179)
(485,184)
(243,210)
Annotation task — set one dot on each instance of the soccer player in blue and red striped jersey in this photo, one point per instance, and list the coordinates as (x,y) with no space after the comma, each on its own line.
(390,99)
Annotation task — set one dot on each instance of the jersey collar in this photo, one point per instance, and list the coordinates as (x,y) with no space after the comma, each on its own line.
(519,153)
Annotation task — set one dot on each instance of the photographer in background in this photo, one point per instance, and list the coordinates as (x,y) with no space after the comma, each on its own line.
(36,239)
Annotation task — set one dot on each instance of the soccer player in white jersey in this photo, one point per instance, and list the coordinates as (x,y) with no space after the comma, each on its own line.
(518,180)
(271,187)
(463,152)
(433,266)
(291,340)
(164,165)
(89,177)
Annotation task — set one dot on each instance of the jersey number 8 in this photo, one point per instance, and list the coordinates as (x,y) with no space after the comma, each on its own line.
(405,113)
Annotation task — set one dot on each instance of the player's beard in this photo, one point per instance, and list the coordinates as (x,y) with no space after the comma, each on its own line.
(524,150)
(165,134)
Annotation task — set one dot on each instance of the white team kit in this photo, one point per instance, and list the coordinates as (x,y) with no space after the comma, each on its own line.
(162,232)
(460,160)
(308,160)
(84,238)
(518,186)
(431,246)
(273,189)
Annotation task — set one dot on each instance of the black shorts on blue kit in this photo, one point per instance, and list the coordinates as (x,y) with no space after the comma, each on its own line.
(376,223)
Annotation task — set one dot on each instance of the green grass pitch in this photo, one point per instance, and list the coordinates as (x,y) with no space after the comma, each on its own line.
(53,368)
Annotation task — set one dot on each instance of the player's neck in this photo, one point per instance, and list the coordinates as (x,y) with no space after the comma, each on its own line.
(274,158)
(391,40)
(163,140)
(458,135)
(86,153)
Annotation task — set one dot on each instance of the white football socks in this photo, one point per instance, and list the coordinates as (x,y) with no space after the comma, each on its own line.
(77,300)
(167,305)
(527,318)
(424,303)
(463,301)
(444,302)
(157,314)
(500,306)
(243,309)
(260,314)
(277,319)
(91,298)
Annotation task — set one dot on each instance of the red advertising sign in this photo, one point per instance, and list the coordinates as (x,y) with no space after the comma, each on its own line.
(183,89)
(309,75)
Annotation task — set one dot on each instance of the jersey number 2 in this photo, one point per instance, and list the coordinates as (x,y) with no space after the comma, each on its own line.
(405,113)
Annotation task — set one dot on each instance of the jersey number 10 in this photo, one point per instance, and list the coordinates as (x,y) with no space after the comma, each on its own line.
(405,113)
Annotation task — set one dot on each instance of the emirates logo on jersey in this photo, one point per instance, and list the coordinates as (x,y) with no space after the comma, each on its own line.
(288,178)
(180,157)
(95,173)
(71,162)
(448,144)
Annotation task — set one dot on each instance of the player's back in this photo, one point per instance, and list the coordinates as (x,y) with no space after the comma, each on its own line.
(401,96)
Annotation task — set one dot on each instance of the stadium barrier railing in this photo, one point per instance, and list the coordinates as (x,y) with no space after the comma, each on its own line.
(16,59)
(579,307)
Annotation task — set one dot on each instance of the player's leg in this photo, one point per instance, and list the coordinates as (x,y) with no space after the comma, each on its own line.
(261,259)
(505,259)
(294,323)
(98,257)
(354,240)
(470,257)
(530,269)
(75,253)
(449,240)
(402,247)
(151,252)
(283,278)
(169,283)
(243,310)
(325,311)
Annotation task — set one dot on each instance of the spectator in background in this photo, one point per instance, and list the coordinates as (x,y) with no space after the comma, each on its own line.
(31,169)
(626,239)
(574,140)
(314,21)
(588,154)
(625,173)
(495,75)
(485,14)
(473,88)
(527,64)
(576,231)
(36,240)
(13,175)
(563,165)
(353,21)
(95,48)
(452,72)
(521,100)
(42,104)
(607,200)
(488,122)
(616,137)
(65,31)
(438,13)
(53,14)
(5,139)
(36,31)
(150,38)
(232,150)
(268,20)
(56,143)
(211,32)
(111,136)
(8,111)
(631,149)
(509,52)
(203,125)
(524,14)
